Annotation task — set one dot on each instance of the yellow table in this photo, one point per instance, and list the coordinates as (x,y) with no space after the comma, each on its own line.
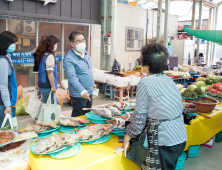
(102,156)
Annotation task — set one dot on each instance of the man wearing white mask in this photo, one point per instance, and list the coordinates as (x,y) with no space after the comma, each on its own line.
(78,69)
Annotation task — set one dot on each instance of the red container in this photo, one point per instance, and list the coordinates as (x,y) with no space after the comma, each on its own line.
(204,107)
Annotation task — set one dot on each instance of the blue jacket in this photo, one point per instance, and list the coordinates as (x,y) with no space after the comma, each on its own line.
(79,73)
(43,80)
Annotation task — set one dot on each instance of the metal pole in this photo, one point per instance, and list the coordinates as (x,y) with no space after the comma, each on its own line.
(166,25)
(199,26)
(103,33)
(6,24)
(215,28)
(89,34)
(36,34)
(208,42)
(112,31)
(159,21)
(193,18)
(62,53)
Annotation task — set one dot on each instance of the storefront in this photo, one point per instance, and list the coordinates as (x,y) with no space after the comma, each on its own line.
(30,20)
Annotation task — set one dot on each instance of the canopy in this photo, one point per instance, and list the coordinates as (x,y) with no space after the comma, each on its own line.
(209,35)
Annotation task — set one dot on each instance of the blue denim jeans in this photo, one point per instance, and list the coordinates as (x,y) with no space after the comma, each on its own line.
(45,95)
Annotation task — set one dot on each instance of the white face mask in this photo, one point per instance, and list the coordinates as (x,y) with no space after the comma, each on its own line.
(55,48)
(81,47)
(145,74)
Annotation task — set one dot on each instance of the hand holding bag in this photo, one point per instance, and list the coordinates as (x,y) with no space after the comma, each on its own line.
(50,112)
(138,150)
(34,105)
(7,117)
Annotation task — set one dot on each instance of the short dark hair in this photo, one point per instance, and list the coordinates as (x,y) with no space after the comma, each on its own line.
(155,56)
(73,35)
(6,39)
(201,54)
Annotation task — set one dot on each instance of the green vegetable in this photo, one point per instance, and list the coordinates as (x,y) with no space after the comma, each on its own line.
(200,84)
(200,79)
(138,66)
(207,87)
(199,91)
(192,87)
(211,76)
(8,127)
(189,93)
(203,89)
(205,101)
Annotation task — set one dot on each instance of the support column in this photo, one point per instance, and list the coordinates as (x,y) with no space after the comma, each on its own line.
(6,24)
(62,52)
(215,28)
(159,21)
(193,18)
(199,26)
(112,31)
(36,34)
(166,21)
(103,33)
(208,42)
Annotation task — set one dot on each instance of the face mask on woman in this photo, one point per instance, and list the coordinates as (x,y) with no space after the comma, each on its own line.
(81,47)
(145,74)
(11,48)
(55,48)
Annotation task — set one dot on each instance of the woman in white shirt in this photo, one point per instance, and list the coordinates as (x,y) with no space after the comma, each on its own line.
(47,78)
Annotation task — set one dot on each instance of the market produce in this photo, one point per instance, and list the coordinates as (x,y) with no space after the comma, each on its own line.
(203,89)
(104,112)
(192,87)
(207,87)
(92,132)
(71,121)
(199,91)
(189,93)
(6,137)
(179,86)
(205,101)
(200,84)
(216,88)
(55,142)
(200,79)
(176,73)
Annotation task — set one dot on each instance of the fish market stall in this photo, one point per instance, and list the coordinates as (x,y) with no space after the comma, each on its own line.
(102,156)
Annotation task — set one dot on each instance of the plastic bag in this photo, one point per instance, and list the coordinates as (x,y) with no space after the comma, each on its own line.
(21,106)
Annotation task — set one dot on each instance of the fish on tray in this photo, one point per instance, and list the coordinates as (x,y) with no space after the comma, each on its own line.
(71,121)
(6,137)
(103,112)
(93,132)
(119,121)
(114,110)
(55,142)
(36,128)
(52,125)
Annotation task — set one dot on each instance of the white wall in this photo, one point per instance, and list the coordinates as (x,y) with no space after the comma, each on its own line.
(130,16)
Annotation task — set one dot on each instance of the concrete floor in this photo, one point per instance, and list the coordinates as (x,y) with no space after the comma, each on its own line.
(208,158)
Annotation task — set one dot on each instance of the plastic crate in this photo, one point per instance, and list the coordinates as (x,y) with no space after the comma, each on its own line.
(218,137)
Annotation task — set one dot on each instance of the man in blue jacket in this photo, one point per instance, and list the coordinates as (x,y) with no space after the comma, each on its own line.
(78,69)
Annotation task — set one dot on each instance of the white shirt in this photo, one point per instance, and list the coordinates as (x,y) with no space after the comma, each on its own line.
(50,62)
(82,56)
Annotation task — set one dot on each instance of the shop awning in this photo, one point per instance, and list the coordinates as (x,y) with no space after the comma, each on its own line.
(209,35)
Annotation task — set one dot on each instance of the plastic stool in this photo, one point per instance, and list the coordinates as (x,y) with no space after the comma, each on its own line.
(121,96)
(110,91)
(132,91)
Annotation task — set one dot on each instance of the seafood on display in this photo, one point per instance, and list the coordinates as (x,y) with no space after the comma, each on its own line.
(93,132)
(71,121)
(55,142)
(124,105)
(114,110)
(6,137)
(119,121)
(39,127)
(104,112)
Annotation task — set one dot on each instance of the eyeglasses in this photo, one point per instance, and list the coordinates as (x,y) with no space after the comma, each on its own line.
(78,41)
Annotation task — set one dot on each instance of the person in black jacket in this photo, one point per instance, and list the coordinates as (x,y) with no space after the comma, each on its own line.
(36,67)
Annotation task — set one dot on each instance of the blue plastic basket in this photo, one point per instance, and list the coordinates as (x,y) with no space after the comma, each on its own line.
(119,133)
(100,140)
(46,135)
(193,150)
(97,121)
(68,152)
(15,133)
(181,161)
(205,95)
(93,116)
(189,98)
(66,129)
(194,114)
(46,153)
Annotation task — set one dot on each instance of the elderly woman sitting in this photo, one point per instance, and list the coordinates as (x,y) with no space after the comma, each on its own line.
(159,108)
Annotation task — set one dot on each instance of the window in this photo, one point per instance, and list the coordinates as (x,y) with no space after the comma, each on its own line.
(134,39)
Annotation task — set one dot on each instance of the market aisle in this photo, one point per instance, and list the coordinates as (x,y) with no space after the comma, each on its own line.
(208,159)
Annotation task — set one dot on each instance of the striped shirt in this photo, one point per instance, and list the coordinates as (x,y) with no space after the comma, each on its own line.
(5,70)
(157,97)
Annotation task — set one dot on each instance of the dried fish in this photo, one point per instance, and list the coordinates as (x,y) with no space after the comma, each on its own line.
(83,121)
(104,112)
(68,122)
(114,110)
(35,128)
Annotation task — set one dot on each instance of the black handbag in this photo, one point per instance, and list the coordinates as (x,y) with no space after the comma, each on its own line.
(137,152)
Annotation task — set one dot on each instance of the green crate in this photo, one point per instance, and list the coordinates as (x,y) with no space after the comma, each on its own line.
(218,137)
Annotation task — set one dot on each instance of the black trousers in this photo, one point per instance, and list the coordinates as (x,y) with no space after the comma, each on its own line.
(169,155)
(78,103)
